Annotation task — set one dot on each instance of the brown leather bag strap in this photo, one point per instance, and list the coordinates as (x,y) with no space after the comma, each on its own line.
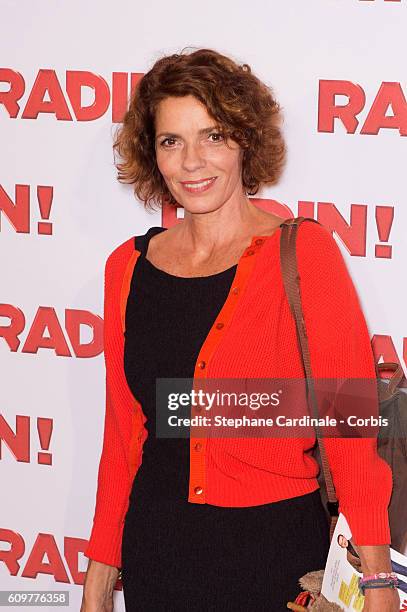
(291,280)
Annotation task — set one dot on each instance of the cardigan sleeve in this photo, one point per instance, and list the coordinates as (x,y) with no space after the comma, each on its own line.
(340,349)
(114,474)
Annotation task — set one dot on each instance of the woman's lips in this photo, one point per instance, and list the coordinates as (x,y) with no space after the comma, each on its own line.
(199,188)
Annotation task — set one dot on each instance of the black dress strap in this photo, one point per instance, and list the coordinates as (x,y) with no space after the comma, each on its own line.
(141,242)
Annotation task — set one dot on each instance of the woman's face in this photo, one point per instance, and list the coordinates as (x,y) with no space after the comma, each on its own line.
(190,150)
(342,541)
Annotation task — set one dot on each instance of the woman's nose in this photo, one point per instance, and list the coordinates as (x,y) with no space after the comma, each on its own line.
(193,157)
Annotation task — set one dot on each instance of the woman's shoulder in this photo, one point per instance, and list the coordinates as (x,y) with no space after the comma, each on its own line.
(319,257)
(316,242)
(117,262)
(322,266)
(314,228)
(121,253)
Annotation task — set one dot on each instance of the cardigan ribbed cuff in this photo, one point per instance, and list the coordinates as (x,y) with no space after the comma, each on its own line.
(369,524)
(105,544)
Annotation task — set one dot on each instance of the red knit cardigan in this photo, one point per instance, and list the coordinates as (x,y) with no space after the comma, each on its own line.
(253,336)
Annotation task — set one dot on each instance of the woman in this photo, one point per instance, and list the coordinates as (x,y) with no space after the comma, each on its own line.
(198,524)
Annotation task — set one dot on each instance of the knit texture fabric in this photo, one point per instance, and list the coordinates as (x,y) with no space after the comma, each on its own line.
(258,341)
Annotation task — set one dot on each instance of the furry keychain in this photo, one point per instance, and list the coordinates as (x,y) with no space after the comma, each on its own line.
(311,597)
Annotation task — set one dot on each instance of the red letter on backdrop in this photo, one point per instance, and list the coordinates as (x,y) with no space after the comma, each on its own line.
(47,83)
(17,88)
(45,544)
(11,556)
(72,548)
(73,321)
(389,94)
(19,442)
(353,234)
(46,319)
(75,80)
(17,213)
(119,96)
(11,332)
(383,346)
(119,93)
(328,111)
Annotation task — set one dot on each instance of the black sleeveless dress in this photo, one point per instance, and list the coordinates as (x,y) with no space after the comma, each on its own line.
(177,555)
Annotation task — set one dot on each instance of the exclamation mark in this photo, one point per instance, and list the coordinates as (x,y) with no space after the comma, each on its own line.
(384,221)
(45,196)
(44,427)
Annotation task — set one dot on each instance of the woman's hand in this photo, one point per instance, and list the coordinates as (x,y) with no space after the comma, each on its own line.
(381,600)
(98,587)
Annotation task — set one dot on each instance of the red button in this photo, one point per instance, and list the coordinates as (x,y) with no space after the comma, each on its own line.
(250,252)
(198,490)
(219,325)
(235,290)
(259,241)
(198,446)
(201,365)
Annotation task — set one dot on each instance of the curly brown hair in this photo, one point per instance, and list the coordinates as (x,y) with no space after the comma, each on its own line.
(239,101)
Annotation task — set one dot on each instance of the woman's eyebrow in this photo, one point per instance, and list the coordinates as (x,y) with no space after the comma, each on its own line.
(202,131)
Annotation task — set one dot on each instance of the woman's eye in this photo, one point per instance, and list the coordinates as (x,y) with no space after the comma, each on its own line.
(166,140)
(217,134)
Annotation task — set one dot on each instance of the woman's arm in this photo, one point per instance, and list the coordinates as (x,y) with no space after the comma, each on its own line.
(116,466)
(340,349)
(98,587)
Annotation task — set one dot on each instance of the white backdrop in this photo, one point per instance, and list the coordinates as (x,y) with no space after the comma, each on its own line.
(308,52)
